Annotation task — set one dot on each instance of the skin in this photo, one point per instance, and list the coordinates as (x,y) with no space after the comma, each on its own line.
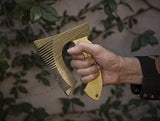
(115,69)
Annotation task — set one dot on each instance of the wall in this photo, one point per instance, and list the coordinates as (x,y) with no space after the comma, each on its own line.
(120,43)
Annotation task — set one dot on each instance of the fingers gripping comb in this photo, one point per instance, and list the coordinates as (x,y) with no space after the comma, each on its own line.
(93,88)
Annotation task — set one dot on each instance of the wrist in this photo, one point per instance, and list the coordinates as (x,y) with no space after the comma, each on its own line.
(130,71)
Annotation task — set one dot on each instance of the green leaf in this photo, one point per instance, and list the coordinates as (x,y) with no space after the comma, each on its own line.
(118,117)
(77,101)
(135,102)
(113,5)
(149,32)
(48,2)
(14,92)
(130,25)
(14,110)
(148,38)
(9,101)
(26,17)
(98,119)
(68,120)
(108,11)
(25,4)
(66,103)
(30,118)
(116,104)
(49,14)
(136,44)
(45,81)
(23,81)
(3,67)
(147,119)
(40,114)
(144,39)
(104,108)
(153,40)
(22,89)
(26,107)
(108,23)
(86,6)
(105,35)
(120,25)
(35,13)
(135,21)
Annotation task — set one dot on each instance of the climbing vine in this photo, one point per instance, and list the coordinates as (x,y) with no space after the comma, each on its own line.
(42,14)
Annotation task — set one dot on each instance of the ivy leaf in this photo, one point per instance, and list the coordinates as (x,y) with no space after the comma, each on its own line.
(14,110)
(14,92)
(118,117)
(68,120)
(135,21)
(3,67)
(135,102)
(35,13)
(149,32)
(147,119)
(45,81)
(30,118)
(40,114)
(98,119)
(25,4)
(77,101)
(153,40)
(113,5)
(120,25)
(49,14)
(26,17)
(116,104)
(26,107)
(48,2)
(23,81)
(9,101)
(22,89)
(108,11)
(66,103)
(136,44)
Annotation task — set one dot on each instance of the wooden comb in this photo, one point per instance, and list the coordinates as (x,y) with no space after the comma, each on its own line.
(50,49)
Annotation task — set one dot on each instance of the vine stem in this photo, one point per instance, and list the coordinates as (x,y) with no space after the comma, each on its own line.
(43,30)
(134,33)
(150,5)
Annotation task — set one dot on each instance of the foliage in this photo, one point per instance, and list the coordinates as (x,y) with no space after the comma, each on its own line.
(42,13)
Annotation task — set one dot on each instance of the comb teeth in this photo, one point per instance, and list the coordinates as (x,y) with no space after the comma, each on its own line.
(46,52)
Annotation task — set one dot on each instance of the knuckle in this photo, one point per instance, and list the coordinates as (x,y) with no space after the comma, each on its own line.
(87,63)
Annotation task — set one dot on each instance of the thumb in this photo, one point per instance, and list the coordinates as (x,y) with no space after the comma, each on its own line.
(82,47)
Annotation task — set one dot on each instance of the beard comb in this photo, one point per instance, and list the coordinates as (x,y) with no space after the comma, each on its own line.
(50,49)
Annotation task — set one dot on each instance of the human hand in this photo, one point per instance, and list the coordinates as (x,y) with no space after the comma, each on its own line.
(101,59)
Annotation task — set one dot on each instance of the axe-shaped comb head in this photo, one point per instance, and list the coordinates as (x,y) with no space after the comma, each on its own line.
(50,49)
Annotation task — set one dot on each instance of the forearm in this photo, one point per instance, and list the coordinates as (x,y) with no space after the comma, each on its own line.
(130,71)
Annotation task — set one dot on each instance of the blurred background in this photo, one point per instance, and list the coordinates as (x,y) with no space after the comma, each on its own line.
(28,90)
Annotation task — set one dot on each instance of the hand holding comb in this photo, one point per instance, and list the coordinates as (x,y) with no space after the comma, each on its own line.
(50,49)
